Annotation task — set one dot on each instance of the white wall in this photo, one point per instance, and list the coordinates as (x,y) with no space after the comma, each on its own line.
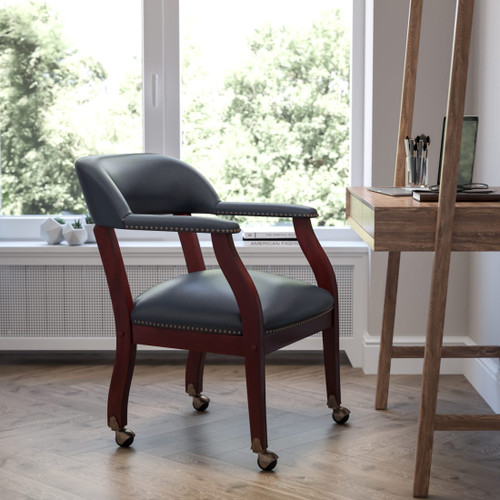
(484,321)
(389,23)
(485,71)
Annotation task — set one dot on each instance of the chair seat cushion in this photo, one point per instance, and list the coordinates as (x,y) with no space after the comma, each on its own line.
(203,301)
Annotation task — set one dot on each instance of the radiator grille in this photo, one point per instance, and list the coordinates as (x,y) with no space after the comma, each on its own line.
(73,301)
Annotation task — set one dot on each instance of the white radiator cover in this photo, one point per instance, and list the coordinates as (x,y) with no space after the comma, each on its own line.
(67,307)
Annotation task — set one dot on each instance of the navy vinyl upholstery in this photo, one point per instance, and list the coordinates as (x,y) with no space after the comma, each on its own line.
(203,301)
(157,193)
(116,187)
(264,209)
(179,223)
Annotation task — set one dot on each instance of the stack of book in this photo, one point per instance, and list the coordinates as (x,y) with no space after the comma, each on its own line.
(467,195)
(272,236)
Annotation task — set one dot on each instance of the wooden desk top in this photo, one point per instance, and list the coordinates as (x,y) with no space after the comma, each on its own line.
(389,223)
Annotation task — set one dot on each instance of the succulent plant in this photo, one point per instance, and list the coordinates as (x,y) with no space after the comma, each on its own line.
(89,219)
(77,225)
(60,220)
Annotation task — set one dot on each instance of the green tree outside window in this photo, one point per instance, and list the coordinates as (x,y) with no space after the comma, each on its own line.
(276,129)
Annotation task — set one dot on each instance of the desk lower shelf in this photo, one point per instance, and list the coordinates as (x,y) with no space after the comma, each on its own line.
(403,224)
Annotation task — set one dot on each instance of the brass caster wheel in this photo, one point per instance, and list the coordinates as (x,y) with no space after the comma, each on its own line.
(267,460)
(200,402)
(124,437)
(340,415)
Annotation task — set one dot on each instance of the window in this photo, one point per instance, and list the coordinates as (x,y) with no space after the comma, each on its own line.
(265,99)
(70,85)
(218,113)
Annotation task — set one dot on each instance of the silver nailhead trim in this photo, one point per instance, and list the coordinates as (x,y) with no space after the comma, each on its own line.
(184,229)
(220,330)
(189,328)
(268,214)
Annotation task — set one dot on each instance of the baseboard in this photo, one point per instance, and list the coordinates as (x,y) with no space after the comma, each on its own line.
(406,366)
(484,376)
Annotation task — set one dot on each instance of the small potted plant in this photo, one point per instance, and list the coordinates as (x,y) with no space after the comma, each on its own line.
(51,230)
(75,233)
(89,227)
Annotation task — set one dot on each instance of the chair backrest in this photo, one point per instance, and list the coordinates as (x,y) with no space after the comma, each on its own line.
(117,185)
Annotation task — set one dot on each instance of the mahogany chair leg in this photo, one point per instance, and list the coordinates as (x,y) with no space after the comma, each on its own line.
(120,384)
(332,364)
(332,372)
(256,394)
(194,372)
(119,390)
(194,379)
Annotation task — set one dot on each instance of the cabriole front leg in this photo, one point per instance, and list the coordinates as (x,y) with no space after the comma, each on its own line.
(194,380)
(119,390)
(256,394)
(332,374)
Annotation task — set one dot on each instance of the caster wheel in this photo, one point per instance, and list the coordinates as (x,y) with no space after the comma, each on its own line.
(124,437)
(340,415)
(200,402)
(267,460)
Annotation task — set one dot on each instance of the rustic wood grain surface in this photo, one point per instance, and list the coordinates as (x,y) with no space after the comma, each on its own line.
(54,443)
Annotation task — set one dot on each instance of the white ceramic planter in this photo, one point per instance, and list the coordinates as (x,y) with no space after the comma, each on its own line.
(51,232)
(74,236)
(90,233)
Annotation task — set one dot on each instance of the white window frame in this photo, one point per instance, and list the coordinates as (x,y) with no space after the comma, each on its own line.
(162,109)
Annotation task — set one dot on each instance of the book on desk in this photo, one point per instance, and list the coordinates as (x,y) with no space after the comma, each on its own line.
(472,195)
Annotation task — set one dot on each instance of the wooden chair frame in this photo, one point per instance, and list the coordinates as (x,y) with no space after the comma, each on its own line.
(253,345)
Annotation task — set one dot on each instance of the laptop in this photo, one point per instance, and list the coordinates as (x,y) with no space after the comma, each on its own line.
(467,151)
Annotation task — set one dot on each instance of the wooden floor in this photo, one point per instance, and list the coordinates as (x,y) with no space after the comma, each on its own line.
(54,443)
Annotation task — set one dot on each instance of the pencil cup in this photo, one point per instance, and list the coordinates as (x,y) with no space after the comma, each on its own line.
(416,170)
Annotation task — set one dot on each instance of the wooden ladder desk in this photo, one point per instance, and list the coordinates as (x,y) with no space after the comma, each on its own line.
(396,225)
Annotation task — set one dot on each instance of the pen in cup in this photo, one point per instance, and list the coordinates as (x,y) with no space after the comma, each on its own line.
(417,160)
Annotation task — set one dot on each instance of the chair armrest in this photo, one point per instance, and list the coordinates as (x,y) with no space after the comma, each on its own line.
(264,209)
(179,223)
(244,290)
(316,256)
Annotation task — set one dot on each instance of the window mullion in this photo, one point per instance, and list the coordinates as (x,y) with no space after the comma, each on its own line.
(161,77)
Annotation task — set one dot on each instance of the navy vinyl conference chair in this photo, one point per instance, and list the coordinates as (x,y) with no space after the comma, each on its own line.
(230,310)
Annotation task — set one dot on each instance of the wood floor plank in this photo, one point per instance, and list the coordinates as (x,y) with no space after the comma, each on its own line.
(54,443)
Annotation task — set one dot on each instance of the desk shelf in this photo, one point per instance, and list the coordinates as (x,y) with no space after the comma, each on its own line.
(402,224)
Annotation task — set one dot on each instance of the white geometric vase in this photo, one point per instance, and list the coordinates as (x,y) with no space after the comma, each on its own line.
(90,233)
(51,232)
(74,236)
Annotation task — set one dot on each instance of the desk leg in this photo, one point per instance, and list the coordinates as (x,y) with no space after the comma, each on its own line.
(430,378)
(386,338)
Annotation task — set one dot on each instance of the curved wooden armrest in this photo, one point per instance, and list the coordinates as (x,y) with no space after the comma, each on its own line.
(116,276)
(243,288)
(315,255)
(186,226)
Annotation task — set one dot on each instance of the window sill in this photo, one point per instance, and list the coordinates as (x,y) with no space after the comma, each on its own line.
(160,252)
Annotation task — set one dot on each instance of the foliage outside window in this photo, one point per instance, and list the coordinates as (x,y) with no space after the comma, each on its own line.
(276,128)
(55,106)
